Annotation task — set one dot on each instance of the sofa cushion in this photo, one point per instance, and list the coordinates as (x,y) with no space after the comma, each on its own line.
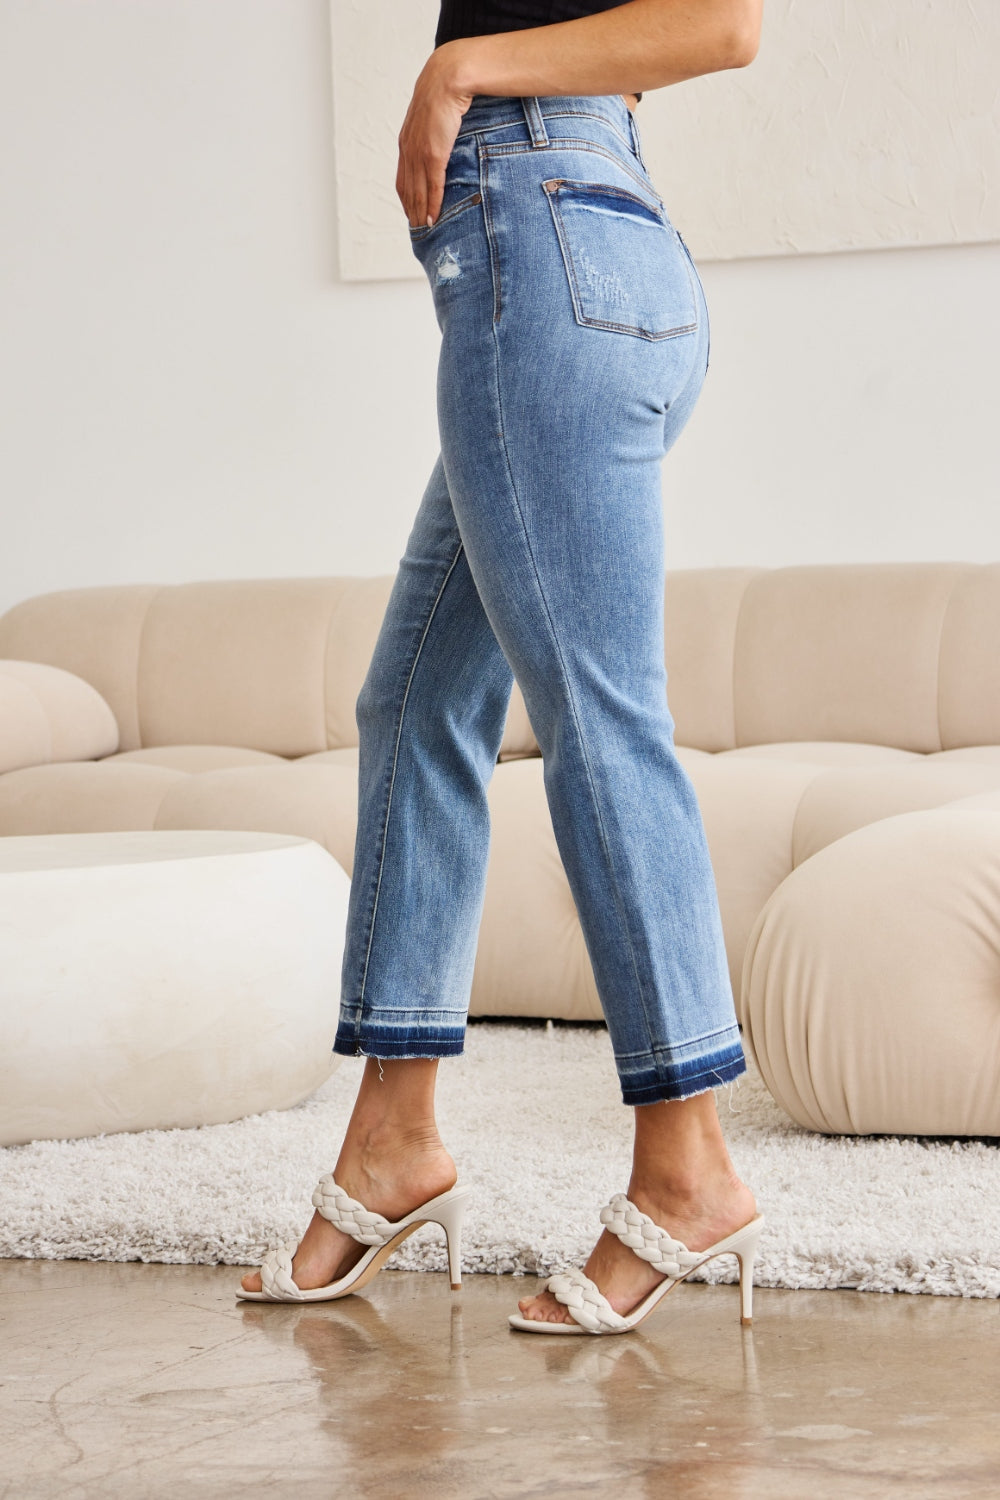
(257,663)
(844,652)
(985,754)
(748,806)
(94,632)
(315,801)
(701,608)
(346,755)
(969,662)
(822,753)
(838,801)
(195,758)
(988,800)
(48,714)
(273,664)
(531,958)
(83,797)
(871,984)
(892,654)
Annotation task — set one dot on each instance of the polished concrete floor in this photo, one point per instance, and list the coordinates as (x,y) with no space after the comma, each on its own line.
(150,1380)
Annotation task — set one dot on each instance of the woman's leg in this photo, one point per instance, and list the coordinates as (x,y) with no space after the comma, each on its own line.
(431,715)
(392,1160)
(555,415)
(553,432)
(683,1179)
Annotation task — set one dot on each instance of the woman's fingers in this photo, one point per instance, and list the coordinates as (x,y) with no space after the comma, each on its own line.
(425,145)
(417,210)
(405,186)
(429,191)
(422,165)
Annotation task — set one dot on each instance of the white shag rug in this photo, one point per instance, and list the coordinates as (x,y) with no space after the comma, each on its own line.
(534,1120)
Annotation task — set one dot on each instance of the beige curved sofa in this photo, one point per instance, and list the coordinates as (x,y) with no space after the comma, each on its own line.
(810,702)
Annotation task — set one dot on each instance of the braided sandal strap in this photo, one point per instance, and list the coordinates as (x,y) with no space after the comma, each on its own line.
(348,1215)
(587,1305)
(651,1243)
(276,1274)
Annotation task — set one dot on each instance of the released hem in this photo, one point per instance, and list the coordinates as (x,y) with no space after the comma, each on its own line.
(652,1086)
(389,1044)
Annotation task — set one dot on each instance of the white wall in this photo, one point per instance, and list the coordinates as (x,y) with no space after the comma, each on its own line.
(187,391)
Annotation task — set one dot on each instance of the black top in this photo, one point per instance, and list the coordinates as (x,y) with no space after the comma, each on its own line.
(484,17)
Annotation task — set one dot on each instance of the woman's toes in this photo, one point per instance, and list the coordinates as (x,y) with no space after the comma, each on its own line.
(543,1309)
(251,1282)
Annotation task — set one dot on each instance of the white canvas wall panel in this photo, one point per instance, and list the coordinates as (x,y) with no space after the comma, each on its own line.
(862,124)
(379,47)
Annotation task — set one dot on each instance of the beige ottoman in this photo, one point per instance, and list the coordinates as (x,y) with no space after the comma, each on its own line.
(175,978)
(871,980)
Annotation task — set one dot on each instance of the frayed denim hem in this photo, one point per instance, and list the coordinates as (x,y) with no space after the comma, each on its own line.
(684,1081)
(390,1044)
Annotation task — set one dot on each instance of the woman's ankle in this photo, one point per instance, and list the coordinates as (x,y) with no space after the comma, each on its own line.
(682,1173)
(385,1141)
(680,1152)
(396,1098)
(686,1193)
(392,1151)
(384,1156)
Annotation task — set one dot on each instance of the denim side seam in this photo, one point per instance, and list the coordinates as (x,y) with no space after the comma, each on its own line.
(637,141)
(491,243)
(569,692)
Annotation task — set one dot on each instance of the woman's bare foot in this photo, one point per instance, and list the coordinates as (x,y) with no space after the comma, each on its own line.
(683,1179)
(392,1160)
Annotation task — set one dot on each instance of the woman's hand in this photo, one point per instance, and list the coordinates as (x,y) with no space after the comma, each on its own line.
(633,47)
(428,135)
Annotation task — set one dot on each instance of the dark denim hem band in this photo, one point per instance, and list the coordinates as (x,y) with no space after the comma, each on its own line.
(684,1080)
(394,1042)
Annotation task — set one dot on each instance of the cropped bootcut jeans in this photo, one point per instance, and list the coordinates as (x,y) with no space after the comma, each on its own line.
(574,345)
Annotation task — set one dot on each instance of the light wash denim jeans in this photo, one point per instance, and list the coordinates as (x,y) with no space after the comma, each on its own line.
(575,343)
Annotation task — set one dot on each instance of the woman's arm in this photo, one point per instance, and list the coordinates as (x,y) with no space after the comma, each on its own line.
(642,45)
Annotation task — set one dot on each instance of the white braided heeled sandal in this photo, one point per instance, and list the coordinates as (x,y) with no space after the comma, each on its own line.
(371,1229)
(590,1309)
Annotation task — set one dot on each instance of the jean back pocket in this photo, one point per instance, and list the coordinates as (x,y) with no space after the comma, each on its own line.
(626,269)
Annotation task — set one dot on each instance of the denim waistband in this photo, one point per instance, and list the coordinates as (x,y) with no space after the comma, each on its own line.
(487,111)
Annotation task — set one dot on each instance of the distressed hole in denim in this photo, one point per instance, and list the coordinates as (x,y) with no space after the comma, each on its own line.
(446,265)
(622,213)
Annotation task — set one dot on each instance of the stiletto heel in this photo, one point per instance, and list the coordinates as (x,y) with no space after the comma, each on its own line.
(592,1312)
(450,1218)
(746,1259)
(370,1229)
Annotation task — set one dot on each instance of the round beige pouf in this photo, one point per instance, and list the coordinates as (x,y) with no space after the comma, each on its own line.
(871,981)
(174,978)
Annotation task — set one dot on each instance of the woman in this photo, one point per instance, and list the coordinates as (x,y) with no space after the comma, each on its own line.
(575,343)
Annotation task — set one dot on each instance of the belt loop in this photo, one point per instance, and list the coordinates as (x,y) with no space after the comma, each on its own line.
(535,120)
